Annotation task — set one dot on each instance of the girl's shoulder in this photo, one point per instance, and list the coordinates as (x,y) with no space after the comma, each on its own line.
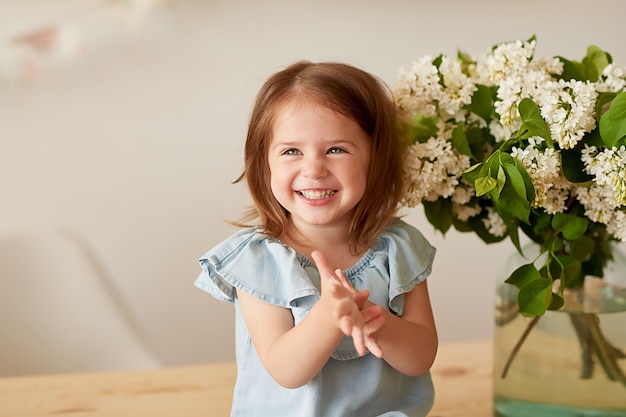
(250,246)
(258,264)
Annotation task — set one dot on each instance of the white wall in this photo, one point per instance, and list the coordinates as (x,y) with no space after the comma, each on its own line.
(134,144)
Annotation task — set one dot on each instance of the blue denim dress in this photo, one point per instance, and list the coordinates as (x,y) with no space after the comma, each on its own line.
(348,385)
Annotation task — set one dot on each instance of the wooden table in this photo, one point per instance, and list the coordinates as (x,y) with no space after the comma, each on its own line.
(462,376)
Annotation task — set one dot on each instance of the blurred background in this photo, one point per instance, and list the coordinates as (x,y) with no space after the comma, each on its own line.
(122,126)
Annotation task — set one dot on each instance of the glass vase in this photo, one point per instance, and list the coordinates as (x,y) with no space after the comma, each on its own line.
(571,362)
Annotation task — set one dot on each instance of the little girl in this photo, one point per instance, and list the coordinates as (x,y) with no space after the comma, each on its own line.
(333,316)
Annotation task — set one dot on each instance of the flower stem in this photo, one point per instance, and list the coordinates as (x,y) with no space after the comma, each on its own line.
(584,338)
(592,342)
(518,345)
(603,350)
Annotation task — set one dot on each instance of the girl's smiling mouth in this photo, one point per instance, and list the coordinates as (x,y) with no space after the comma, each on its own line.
(316,194)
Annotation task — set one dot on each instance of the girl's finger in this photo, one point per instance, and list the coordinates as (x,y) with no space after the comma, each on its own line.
(344,281)
(374,348)
(322,264)
(361,297)
(373,312)
(358,338)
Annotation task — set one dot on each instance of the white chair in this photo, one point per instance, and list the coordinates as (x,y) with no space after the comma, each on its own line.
(58,313)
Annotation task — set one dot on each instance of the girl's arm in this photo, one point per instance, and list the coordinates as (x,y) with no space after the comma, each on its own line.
(408,342)
(293,355)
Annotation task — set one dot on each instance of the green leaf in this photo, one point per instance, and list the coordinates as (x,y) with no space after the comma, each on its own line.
(482,102)
(594,266)
(513,231)
(613,122)
(505,158)
(593,138)
(556,303)
(480,141)
(582,248)
(571,272)
(603,103)
(535,230)
(514,204)
(491,166)
(459,141)
(572,70)
(464,57)
(501,178)
(528,182)
(595,62)
(484,184)
(472,173)
(573,167)
(553,269)
(461,225)
(439,213)
(516,179)
(437,61)
(523,275)
(564,268)
(571,226)
(535,297)
(481,231)
(532,122)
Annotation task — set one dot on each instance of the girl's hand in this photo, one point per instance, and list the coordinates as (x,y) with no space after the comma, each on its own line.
(372,314)
(347,306)
(340,304)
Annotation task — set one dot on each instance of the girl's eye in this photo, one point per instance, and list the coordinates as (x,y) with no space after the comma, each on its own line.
(291,151)
(336,150)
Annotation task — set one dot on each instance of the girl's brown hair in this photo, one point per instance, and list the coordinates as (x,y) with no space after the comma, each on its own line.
(357,95)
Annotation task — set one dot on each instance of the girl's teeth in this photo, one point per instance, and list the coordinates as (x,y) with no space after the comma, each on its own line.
(313,195)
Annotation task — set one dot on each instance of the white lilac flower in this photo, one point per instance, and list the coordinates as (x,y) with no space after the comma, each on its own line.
(432,170)
(608,167)
(517,75)
(458,89)
(598,202)
(604,199)
(613,79)
(418,90)
(509,59)
(509,95)
(555,198)
(617,225)
(494,223)
(501,132)
(569,109)
(600,207)
(463,193)
(464,212)
(471,119)
(534,83)
(461,196)
(479,70)
(550,66)
(544,168)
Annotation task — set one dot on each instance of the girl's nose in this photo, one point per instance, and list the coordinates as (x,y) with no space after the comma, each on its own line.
(313,167)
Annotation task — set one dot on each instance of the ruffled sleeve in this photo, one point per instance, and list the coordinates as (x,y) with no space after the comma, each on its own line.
(257,264)
(265,268)
(410,260)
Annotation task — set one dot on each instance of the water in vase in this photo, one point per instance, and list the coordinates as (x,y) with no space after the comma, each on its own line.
(553,374)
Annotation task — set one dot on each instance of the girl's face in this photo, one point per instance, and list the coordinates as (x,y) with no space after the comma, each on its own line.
(318,160)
